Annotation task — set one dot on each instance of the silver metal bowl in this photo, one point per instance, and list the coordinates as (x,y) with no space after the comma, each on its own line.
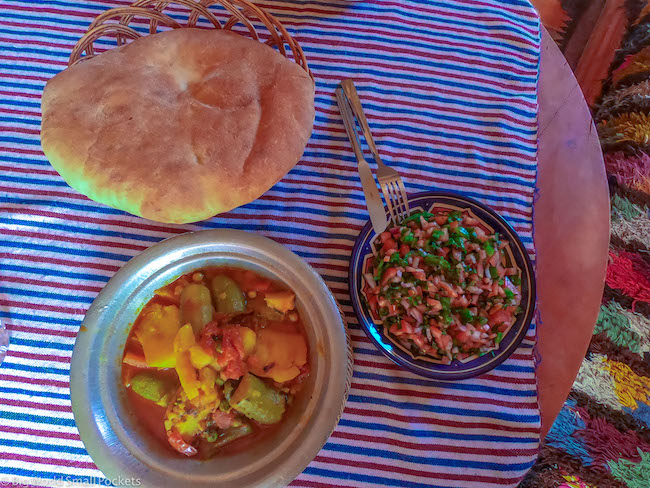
(121,448)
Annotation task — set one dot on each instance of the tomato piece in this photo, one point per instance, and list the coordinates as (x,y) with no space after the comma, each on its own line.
(418,339)
(231,357)
(403,249)
(499,317)
(389,244)
(389,274)
(406,327)
(207,337)
(462,336)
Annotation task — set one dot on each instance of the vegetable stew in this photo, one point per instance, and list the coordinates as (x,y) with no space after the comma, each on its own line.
(214,360)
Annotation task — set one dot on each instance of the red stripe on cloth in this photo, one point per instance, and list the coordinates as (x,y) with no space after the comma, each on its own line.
(75,217)
(371,46)
(76,239)
(59,28)
(385,17)
(425,472)
(428,446)
(31,406)
(18,94)
(410,22)
(40,432)
(20,130)
(44,307)
(12,353)
(30,59)
(51,284)
(504,6)
(64,214)
(402,34)
(450,143)
(506,379)
(42,191)
(414,393)
(312,484)
(498,379)
(406,173)
(415,104)
(395,82)
(406,135)
(34,381)
(29,171)
(14,111)
(392,118)
(30,329)
(439,421)
(60,262)
(49,460)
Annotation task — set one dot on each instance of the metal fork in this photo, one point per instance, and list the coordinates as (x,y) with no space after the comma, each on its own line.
(389,180)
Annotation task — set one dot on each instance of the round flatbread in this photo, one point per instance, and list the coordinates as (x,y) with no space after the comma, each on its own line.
(178,126)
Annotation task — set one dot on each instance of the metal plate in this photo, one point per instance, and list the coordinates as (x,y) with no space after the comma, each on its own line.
(122,448)
(456,370)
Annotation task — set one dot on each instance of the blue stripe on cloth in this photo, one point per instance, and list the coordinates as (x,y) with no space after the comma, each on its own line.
(462,136)
(374,480)
(433,434)
(42,446)
(85,230)
(45,344)
(449,87)
(423,460)
(329,52)
(355,22)
(76,251)
(370,480)
(454,386)
(37,419)
(36,369)
(259,206)
(462,412)
(306,31)
(46,295)
(34,393)
(518,20)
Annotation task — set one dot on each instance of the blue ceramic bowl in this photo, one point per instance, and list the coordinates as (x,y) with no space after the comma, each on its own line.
(516,255)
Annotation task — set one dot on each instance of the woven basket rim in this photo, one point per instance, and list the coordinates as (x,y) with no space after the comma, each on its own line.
(243,12)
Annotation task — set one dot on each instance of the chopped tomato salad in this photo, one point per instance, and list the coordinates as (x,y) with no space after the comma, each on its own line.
(440,284)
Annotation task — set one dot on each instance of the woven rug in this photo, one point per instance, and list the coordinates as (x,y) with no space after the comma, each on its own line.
(601,437)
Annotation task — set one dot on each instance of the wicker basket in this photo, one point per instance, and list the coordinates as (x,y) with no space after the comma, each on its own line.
(232,12)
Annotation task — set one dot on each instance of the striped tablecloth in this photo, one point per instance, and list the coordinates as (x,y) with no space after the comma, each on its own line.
(449,87)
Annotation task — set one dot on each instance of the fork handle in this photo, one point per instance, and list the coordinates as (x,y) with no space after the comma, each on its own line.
(355,104)
(349,123)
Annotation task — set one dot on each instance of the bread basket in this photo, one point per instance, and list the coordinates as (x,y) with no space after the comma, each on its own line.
(239,128)
(239,16)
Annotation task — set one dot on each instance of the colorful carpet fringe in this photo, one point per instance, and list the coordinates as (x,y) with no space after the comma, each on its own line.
(601,439)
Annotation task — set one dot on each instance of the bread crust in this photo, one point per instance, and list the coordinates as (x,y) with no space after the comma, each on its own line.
(178,126)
